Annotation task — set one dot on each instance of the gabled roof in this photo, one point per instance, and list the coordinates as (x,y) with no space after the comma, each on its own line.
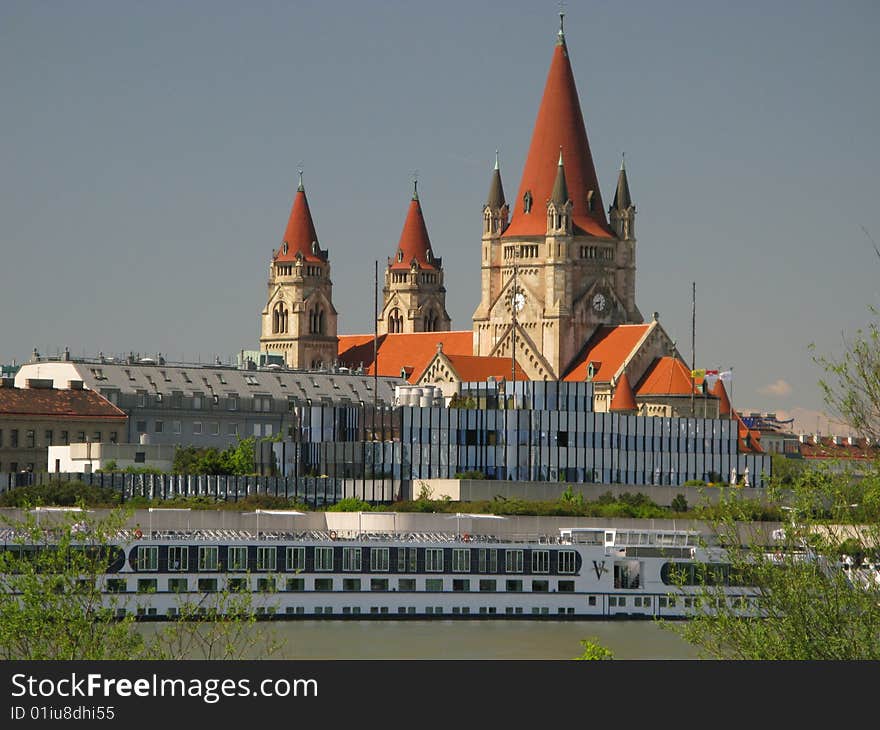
(401,351)
(666,376)
(69,403)
(623,398)
(608,348)
(300,233)
(414,242)
(559,125)
(720,392)
(474,368)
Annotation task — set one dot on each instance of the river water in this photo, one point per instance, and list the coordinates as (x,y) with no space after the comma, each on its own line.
(496,639)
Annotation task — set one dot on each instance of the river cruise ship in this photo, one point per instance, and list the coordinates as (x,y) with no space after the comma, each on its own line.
(576,573)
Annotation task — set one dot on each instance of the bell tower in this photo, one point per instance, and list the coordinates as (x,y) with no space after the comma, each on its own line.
(299,319)
(414,297)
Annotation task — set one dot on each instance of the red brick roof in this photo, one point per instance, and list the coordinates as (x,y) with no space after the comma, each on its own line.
(474,368)
(300,232)
(559,125)
(666,376)
(414,242)
(623,398)
(861,450)
(410,352)
(608,349)
(65,404)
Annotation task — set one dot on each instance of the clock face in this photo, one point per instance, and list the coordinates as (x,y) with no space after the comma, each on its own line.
(519,301)
(599,302)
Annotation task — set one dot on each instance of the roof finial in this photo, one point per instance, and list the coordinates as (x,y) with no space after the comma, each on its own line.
(415,179)
(496,160)
(560,156)
(299,169)
(623,160)
(561,34)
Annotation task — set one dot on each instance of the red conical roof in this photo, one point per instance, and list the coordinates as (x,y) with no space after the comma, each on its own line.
(414,241)
(720,392)
(300,233)
(623,398)
(559,125)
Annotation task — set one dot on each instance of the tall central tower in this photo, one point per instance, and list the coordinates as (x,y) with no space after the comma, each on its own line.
(558,262)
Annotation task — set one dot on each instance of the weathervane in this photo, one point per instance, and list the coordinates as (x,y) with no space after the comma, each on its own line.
(299,169)
(415,181)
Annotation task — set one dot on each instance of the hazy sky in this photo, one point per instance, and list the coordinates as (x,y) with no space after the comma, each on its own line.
(149,150)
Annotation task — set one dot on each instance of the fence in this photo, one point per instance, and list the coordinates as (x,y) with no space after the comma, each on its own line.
(311,491)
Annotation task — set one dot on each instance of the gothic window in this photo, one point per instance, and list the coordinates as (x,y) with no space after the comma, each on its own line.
(395,321)
(317,325)
(431,321)
(527,202)
(279,318)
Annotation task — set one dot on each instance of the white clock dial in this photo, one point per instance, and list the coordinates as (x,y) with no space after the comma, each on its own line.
(599,302)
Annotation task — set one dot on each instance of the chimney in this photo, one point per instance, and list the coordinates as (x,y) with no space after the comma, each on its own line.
(35,383)
(75,384)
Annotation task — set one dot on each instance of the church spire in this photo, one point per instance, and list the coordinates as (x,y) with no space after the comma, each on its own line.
(559,124)
(622,213)
(622,200)
(300,236)
(414,244)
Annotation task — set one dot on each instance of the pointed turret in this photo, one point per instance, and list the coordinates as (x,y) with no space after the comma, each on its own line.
(559,125)
(560,189)
(495,210)
(623,400)
(622,212)
(300,236)
(414,245)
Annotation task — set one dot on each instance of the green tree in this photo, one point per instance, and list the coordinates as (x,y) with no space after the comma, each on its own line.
(54,603)
(593,651)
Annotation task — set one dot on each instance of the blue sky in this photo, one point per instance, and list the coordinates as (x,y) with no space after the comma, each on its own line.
(149,152)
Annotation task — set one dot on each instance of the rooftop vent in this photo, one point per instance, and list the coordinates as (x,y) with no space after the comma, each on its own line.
(35,383)
(75,384)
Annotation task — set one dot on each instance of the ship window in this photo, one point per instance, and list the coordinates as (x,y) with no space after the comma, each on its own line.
(540,561)
(351,584)
(323,559)
(488,585)
(178,558)
(351,559)
(461,585)
(513,561)
(434,560)
(540,586)
(379,560)
(207,585)
(266,557)
(178,585)
(323,584)
(627,574)
(237,585)
(566,561)
(266,585)
(296,558)
(514,586)
(237,558)
(148,585)
(116,585)
(207,558)
(406,584)
(148,558)
(487,560)
(566,586)
(433,585)
(296,584)
(461,560)
(378,584)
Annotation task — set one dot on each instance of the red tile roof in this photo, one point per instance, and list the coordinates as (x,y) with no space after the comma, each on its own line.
(720,392)
(300,232)
(559,125)
(861,450)
(623,398)
(474,368)
(414,242)
(666,376)
(400,351)
(65,404)
(608,349)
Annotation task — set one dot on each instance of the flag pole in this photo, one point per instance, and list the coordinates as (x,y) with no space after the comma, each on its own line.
(693,345)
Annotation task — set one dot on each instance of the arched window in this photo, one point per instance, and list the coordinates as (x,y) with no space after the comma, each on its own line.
(395,321)
(316,320)
(431,321)
(279,318)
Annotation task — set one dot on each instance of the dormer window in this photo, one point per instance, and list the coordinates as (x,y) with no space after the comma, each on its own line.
(527,202)
(284,247)
(429,255)
(399,255)
(314,247)
(590,204)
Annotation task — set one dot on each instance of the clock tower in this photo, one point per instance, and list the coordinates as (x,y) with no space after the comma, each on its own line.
(559,261)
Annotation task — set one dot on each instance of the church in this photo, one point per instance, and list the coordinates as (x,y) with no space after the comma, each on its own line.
(557,300)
